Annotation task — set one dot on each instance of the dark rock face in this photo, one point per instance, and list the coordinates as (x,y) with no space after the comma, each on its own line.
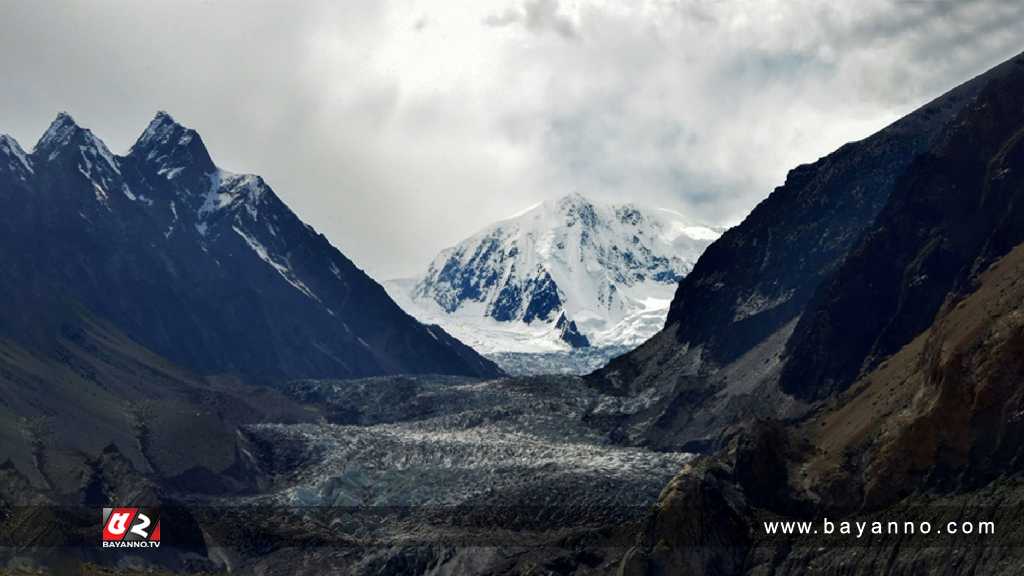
(702,524)
(808,287)
(955,210)
(569,333)
(762,273)
(207,268)
(466,283)
(544,298)
(930,435)
(908,359)
(506,305)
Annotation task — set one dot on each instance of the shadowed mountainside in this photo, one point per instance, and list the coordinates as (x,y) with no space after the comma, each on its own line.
(909,358)
(815,283)
(204,267)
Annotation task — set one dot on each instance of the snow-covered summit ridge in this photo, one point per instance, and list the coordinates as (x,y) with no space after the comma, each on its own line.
(610,268)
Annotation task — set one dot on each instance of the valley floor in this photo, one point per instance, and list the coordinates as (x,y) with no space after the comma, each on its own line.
(428,474)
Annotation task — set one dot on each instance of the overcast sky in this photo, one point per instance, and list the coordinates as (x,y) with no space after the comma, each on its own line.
(399,127)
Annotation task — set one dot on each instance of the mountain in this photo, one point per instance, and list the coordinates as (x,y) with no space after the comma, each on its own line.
(882,385)
(759,317)
(567,273)
(148,296)
(203,267)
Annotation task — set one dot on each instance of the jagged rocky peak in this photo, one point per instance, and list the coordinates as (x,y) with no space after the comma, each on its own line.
(162,130)
(173,158)
(171,148)
(198,262)
(65,135)
(61,131)
(12,157)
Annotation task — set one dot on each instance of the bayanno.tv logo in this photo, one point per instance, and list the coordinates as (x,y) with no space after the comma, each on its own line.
(131,528)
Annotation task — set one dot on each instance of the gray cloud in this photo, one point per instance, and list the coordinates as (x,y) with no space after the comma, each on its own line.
(397,127)
(535,16)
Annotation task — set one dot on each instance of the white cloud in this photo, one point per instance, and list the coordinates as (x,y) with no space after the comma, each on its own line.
(397,128)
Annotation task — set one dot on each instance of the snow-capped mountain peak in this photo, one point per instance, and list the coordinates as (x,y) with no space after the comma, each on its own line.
(607,270)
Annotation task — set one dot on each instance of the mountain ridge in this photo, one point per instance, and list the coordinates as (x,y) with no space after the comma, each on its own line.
(209,266)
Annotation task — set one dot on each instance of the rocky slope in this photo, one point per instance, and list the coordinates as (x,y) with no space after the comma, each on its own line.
(94,387)
(908,359)
(569,273)
(931,435)
(202,266)
(768,310)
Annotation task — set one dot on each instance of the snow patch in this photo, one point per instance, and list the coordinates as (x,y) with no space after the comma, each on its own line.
(174,220)
(101,194)
(170,173)
(227,189)
(281,269)
(96,146)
